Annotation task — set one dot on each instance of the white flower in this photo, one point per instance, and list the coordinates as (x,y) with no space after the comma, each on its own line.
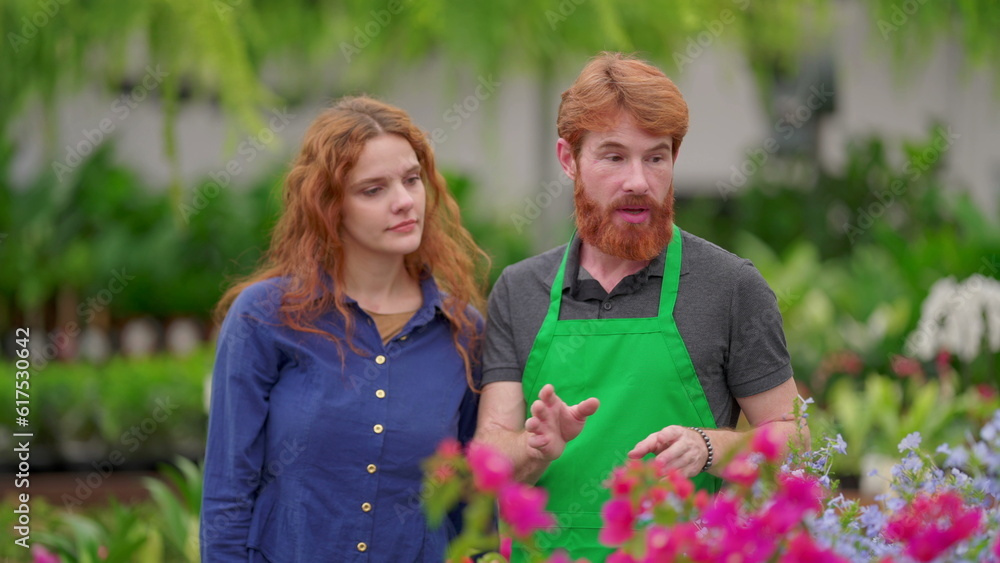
(958,317)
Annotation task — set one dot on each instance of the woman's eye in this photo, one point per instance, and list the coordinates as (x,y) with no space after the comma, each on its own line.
(412,180)
(371,191)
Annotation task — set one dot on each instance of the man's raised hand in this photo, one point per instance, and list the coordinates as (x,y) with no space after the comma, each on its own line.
(553,423)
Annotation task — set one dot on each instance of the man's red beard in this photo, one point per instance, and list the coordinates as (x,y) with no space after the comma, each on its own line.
(629,241)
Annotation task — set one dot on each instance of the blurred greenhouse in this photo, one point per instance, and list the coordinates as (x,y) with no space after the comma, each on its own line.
(850,148)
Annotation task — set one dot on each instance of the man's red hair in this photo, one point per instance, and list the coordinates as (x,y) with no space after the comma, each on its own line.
(612,83)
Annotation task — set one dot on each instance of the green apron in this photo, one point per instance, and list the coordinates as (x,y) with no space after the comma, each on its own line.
(643,375)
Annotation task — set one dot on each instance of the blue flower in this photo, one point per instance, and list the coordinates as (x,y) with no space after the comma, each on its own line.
(895,503)
(839,445)
(957,457)
(872,519)
(911,442)
(992,428)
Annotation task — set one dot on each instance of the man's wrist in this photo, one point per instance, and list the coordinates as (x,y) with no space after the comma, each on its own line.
(708,446)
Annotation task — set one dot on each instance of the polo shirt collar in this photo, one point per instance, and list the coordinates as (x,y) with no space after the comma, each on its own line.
(571,278)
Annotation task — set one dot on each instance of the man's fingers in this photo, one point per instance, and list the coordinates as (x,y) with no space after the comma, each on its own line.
(539,411)
(538,441)
(547,394)
(647,445)
(532,424)
(682,457)
(586,408)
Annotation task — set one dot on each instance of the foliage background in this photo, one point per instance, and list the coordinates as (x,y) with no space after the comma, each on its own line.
(848,305)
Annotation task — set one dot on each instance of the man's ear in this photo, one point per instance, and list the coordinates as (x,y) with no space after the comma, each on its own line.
(566,159)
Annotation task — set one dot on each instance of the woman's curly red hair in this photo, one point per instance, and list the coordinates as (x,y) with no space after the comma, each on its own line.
(307,246)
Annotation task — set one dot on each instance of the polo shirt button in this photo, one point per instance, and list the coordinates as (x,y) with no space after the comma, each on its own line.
(362,546)
(366,507)
(371,468)
(403,337)
(380,359)
(378,428)
(380,393)
(607,305)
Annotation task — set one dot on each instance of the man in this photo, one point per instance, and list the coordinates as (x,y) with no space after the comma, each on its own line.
(636,338)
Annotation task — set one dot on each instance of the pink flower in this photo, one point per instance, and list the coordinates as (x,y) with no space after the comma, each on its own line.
(701,500)
(932,524)
(724,512)
(943,361)
(741,470)
(623,480)
(620,557)
(506,545)
(560,557)
(796,495)
(523,507)
(986,391)
(618,521)
(766,443)
(41,555)
(748,542)
(449,448)
(801,549)
(491,470)
(683,486)
(905,367)
(664,544)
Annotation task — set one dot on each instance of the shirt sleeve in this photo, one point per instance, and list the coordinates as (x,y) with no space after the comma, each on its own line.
(499,350)
(758,355)
(246,367)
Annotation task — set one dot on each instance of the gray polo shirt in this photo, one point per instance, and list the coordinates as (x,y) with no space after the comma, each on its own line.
(726,313)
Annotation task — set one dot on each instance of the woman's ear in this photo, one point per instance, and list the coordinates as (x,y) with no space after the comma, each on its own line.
(566,159)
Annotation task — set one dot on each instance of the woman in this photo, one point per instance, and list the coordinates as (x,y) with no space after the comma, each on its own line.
(341,364)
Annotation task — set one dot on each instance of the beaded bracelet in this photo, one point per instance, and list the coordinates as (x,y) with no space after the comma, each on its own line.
(708,444)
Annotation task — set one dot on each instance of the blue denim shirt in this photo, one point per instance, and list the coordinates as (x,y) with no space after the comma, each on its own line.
(312,459)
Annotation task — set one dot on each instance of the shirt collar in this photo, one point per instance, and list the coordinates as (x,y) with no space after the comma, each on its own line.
(432,299)
(572,274)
